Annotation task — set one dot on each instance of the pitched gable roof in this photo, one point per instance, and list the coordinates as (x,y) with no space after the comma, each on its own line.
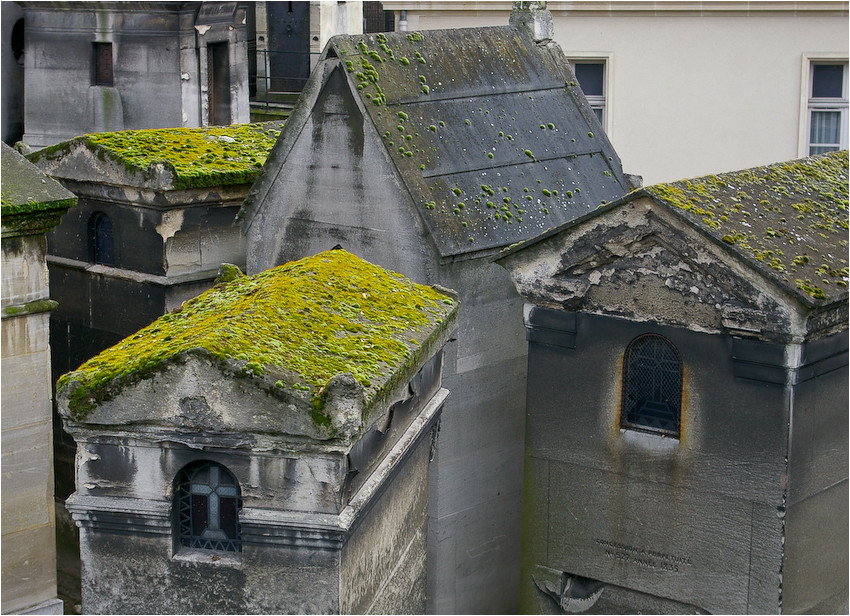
(788,220)
(290,330)
(754,237)
(488,132)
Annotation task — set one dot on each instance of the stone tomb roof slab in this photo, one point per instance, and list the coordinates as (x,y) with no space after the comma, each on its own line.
(327,339)
(164,158)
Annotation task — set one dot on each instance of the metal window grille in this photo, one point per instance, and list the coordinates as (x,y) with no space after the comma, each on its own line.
(208,503)
(652,386)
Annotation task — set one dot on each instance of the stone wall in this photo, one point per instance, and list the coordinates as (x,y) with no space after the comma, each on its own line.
(29,545)
(697,522)
(155,49)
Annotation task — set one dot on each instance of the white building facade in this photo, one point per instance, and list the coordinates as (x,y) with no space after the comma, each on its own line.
(692,88)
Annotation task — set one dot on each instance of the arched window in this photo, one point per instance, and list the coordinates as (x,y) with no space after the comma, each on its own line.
(101,239)
(17,41)
(208,503)
(652,386)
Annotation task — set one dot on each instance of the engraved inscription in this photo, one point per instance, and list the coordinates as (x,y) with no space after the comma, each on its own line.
(642,557)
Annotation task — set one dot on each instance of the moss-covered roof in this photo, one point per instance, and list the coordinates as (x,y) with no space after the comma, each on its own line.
(197,157)
(292,327)
(26,189)
(788,219)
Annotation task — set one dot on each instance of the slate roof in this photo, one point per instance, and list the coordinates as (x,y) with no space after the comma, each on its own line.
(172,158)
(788,220)
(488,131)
(290,328)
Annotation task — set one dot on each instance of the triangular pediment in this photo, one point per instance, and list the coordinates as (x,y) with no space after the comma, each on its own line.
(641,262)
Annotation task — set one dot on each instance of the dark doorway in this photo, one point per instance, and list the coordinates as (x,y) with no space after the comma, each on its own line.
(289,45)
(218,69)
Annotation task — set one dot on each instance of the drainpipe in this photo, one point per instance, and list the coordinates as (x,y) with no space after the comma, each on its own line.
(402,21)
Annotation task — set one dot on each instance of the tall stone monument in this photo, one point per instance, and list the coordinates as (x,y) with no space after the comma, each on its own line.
(32,205)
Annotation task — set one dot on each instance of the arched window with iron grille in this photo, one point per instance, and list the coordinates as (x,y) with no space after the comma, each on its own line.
(652,386)
(208,503)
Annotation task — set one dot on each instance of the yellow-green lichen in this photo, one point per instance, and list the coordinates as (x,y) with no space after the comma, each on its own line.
(198,157)
(780,215)
(296,326)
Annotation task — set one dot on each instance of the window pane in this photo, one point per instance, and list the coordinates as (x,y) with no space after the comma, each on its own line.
(208,508)
(200,511)
(229,517)
(826,127)
(652,386)
(103,64)
(598,112)
(822,149)
(827,80)
(590,77)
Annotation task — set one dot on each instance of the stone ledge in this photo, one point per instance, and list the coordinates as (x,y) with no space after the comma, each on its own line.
(51,606)
(34,307)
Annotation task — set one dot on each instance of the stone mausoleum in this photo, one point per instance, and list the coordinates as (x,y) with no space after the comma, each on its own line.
(132,65)
(32,205)
(686,439)
(153,224)
(265,448)
(427,153)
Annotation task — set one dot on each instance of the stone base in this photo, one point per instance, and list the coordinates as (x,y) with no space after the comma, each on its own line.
(51,606)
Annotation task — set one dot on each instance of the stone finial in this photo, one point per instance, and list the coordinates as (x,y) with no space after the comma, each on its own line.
(535,18)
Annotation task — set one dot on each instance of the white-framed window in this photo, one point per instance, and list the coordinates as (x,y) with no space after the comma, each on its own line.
(592,74)
(824,128)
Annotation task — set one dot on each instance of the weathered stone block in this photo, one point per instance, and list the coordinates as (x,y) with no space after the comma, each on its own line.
(27,477)
(29,567)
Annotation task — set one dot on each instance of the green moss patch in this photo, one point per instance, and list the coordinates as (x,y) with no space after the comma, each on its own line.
(294,326)
(199,157)
(790,219)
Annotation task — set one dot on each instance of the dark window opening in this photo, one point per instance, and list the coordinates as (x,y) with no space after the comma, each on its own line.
(101,239)
(208,504)
(103,75)
(218,71)
(18,40)
(590,76)
(652,386)
(376,19)
(827,80)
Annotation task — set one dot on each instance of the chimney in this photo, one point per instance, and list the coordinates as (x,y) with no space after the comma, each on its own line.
(535,19)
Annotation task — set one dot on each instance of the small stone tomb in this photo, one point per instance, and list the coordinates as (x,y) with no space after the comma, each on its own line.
(264,448)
